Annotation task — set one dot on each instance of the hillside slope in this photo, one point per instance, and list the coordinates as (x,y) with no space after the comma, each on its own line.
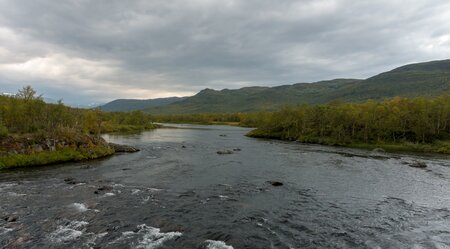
(124,105)
(429,78)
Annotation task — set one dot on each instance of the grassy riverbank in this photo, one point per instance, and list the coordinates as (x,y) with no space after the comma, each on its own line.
(234,119)
(435,147)
(53,157)
(128,128)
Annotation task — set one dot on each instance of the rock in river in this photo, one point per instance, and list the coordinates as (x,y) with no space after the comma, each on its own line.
(224,152)
(105,188)
(70,180)
(11,219)
(417,164)
(123,148)
(275,183)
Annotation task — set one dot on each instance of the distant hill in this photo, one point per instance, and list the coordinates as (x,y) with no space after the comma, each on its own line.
(253,98)
(421,79)
(429,78)
(124,105)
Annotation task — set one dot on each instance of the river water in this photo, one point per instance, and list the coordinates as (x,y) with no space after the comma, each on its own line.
(177,192)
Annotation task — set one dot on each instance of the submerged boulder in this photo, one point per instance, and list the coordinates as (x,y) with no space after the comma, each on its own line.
(378,150)
(225,152)
(70,180)
(123,148)
(275,183)
(105,188)
(11,219)
(417,164)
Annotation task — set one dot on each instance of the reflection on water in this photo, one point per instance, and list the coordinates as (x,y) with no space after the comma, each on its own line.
(177,192)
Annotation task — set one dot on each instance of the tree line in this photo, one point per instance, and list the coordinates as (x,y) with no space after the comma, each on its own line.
(26,112)
(420,120)
(396,120)
(252,119)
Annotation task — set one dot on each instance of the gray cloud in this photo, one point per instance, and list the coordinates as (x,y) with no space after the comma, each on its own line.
(85,51)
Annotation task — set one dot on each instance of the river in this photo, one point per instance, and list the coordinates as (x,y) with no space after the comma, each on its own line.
(178,192)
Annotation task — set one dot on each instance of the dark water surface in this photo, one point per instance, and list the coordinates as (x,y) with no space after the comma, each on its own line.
(179,193)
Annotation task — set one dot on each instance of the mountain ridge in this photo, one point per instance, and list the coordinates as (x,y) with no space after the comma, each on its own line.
(137,104)
(425,78)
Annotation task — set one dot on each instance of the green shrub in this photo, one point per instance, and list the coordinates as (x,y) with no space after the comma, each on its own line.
(3,131)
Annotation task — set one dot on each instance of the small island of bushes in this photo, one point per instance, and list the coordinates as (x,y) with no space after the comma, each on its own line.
(34,133)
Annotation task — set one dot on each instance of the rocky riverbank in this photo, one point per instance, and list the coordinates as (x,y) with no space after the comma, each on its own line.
(49,148)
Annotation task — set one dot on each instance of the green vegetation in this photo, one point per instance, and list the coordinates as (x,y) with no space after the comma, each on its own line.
(413,124)
(96,121)
(430,79)
(3,131)
(239,119)
(40,148)
(35,133)
(420,124)
(27,113)
(51,157)
(200,118)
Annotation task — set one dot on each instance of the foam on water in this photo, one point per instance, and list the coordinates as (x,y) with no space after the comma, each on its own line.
(5,230)
(154,189)
(4,186)
(153,238)
(15,194)
(80,207)
(69,232)
(217,244)
(147,237)
(109,194)
(135,191)
(93,238)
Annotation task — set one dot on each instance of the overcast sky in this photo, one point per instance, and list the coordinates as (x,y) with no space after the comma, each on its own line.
(94,51)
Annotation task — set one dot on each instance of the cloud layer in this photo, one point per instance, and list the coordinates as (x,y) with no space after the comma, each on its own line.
(95,51)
